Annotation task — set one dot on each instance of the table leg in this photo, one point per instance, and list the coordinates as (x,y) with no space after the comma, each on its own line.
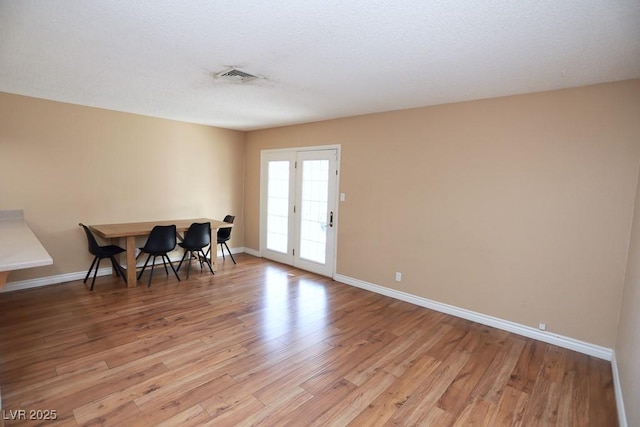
(3,278)
(131,261)
(213,252)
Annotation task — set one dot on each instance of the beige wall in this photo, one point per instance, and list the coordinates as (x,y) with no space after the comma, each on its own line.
(628,342)
(516,207)
(64,164)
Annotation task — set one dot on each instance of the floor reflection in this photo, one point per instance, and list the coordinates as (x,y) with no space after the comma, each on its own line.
(292,304)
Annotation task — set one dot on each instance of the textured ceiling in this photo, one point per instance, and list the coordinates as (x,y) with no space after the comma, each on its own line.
(316,59)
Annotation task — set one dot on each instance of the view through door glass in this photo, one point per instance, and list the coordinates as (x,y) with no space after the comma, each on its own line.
(313,210)
(278,206)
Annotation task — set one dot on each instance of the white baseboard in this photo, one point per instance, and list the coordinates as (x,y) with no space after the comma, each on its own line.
(617,389)
(51,280)
(251,252)
(233,251)
(516,328)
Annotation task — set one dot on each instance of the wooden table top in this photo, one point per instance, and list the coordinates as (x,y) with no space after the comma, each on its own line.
(109,231)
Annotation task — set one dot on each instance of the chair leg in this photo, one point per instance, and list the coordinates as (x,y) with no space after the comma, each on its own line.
(153,264)
(95,273)
(90,268)
(144,266)
(222,249)
(174,270)
(230,254)
(113,265)
(122,273)
(183,257)
(189,263)
(165,265)
(206,255)
(118,269)
(206,261)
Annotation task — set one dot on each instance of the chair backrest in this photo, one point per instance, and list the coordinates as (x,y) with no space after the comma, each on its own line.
(162,239)
(224,234)
(198,235)
(94,248)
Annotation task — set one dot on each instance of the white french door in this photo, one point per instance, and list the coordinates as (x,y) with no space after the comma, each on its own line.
(298,208)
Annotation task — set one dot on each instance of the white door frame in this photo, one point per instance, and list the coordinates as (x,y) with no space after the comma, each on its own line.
(263,199)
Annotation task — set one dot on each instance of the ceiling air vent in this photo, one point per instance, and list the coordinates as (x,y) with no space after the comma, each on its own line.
(236,75)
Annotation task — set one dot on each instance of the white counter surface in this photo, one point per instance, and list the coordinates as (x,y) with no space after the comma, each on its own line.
(19,247)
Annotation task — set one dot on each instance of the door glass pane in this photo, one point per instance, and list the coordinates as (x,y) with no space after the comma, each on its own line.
(313,210)
(278,206)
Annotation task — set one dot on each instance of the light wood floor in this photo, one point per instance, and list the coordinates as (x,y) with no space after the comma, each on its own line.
(265,344)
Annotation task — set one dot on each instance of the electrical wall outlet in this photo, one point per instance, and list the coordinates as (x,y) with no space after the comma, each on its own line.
(398,276)
(542,326)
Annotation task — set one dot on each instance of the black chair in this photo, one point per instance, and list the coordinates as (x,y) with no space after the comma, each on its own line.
(100,252)
(160,242)
(224,234)
(197,237)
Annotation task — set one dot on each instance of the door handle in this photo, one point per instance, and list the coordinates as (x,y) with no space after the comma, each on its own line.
(331,219)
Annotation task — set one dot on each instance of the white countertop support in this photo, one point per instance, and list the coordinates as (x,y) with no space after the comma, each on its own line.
(19,247)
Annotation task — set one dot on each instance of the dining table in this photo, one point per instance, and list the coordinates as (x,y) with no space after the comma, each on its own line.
(131,230)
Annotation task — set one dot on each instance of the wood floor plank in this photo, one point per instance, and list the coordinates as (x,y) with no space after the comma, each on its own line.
(260,343)
(428,417)
(396,395)
(297,371)
(459,392)
(319,404)
(66,396)
(448,343)
(510,409)
(361,350)
(369,367)
(542,408)
(149,393)
(429,392)
(178,400)
(401,361)
(21,391)
(497,375)
(601,384)
(264,380)
(553,363)
(525,373)
(288,400)
(127,411)
(276,356)
(580,400)
(121,355)
(193,416)
(565,415)
(234,414)
(477,412)
(356,401)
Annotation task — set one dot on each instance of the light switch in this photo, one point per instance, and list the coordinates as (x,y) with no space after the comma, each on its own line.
(342,197)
